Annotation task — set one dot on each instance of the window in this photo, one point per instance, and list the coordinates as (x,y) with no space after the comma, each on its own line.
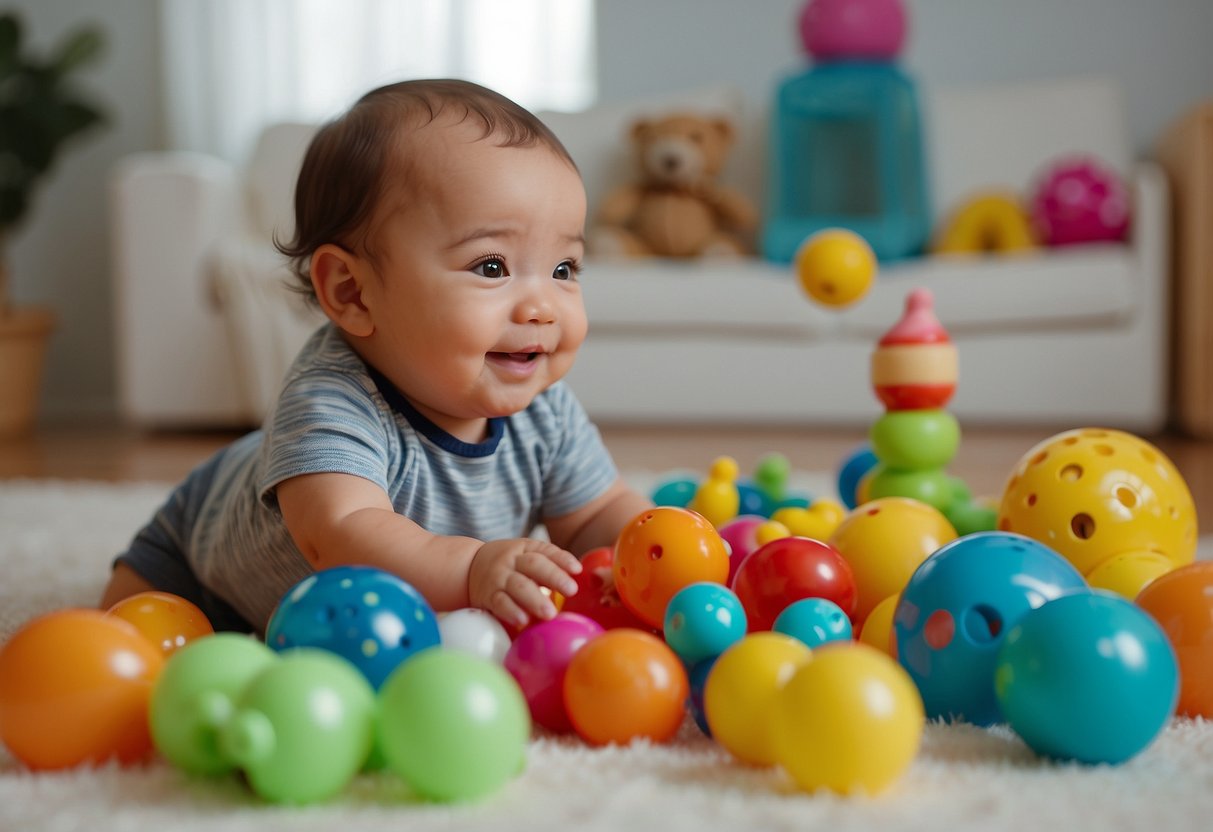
(233,66)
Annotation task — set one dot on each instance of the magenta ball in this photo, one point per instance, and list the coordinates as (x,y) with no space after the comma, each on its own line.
(1080,201)
(538,659)
(741,533)
(872,30)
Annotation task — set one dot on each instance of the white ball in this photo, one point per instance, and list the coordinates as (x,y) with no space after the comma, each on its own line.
(474,631)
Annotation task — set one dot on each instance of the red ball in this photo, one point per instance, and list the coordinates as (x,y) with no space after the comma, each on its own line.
(787,570)
(597,598)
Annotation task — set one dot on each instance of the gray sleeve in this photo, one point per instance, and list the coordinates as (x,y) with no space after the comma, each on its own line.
(326,422)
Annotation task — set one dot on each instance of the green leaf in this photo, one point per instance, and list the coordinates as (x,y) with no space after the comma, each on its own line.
(10,42)
(39,111)
(78,49)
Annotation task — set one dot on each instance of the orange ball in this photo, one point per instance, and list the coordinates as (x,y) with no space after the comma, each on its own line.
(168,621)
(625,684)
(659,552)
(74,688)
(1181,601)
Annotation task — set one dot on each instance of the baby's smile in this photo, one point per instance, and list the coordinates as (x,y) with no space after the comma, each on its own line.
(519,363)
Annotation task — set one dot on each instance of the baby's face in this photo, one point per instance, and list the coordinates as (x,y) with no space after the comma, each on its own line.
(477,308)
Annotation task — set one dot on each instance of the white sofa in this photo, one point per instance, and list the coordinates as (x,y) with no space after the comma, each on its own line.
(1059,337)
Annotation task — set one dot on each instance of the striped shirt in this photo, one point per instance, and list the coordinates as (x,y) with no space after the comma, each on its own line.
(336,415)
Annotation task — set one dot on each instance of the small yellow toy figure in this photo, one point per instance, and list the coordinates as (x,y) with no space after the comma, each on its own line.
(717,498)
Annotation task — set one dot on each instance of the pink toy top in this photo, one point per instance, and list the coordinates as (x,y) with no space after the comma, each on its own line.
(871,30)
(918,324)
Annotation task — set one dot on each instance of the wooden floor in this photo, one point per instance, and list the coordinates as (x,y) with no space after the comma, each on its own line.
(985,458)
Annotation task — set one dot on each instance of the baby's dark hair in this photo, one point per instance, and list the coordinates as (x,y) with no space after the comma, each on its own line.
(345,167)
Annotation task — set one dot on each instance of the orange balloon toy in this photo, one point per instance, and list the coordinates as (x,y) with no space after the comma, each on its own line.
(168,621)
(74,688)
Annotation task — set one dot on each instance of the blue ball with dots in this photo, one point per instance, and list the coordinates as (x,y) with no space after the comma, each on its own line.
(368,616)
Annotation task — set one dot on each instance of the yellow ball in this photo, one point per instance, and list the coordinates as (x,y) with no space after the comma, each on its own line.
(741,687)
(850,720)
(836,267)
(884,541)
(1128,573)
(877,628)
(1093,493)
(771,530)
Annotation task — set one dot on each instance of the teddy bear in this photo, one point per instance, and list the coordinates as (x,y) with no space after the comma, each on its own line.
(676,208)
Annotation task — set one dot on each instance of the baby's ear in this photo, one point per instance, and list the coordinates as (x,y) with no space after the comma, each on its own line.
(337,281)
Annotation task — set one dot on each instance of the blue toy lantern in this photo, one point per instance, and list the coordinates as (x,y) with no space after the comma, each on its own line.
(846,138)
(955,612)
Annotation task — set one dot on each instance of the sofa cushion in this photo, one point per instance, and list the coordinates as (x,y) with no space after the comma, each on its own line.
(671,297)
(1005,136)
(1079,286)
(597,138)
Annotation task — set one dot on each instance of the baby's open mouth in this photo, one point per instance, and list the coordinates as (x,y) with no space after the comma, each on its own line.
(516,356)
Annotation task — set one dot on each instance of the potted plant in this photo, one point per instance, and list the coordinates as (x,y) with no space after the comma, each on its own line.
(39,113)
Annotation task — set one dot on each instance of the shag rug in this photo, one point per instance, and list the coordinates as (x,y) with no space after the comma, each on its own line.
(56,541)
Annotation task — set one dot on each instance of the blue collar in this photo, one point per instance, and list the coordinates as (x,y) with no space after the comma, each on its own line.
(451,444)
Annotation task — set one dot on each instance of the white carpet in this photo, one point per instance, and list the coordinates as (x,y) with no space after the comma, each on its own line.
(56,541)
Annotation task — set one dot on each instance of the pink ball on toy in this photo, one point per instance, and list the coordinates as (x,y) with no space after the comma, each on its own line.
(1080,201)
(538,659)
(866,29)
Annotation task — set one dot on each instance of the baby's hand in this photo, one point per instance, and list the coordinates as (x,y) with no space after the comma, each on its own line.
(506,575)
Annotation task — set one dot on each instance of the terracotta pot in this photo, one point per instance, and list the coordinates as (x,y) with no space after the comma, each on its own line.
(24,333)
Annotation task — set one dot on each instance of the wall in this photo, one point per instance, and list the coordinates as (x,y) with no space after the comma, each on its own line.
(1158,50)
(60,256)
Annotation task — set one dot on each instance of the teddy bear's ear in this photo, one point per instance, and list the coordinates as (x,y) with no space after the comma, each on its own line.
(724,129)
(639,130)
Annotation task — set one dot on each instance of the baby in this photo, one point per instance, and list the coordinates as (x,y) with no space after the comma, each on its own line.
(424,429)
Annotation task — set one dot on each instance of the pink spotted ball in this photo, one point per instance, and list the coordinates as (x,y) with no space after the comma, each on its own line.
(1080,201)
(872,30)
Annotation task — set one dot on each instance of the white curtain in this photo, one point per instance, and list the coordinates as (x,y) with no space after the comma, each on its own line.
(233,66)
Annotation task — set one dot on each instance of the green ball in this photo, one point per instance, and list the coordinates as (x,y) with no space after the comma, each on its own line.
(932,486)
(303,727)
(771,475)
(915,439)
(968,517)
(193,698)
(453,725)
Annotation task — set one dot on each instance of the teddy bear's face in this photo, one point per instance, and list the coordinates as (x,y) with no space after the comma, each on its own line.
(681,151)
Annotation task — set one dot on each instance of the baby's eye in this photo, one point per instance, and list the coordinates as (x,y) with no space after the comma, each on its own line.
(490,267)
(568,270)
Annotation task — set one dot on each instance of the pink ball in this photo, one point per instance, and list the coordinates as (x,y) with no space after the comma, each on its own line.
(864,29)
(1080,201)
(538,659)
(741,533)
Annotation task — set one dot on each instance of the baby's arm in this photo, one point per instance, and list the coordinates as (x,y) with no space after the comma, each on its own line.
(599,522)
(341,519)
